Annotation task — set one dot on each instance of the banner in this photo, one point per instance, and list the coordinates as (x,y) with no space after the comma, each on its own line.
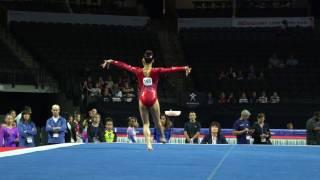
(48,17)
(273,22)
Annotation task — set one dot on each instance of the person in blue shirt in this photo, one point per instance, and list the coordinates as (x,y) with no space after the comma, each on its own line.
(56,126)
(167,125)
(27,130)
(241,128)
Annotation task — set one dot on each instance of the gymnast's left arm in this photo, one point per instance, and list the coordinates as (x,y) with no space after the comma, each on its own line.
(187,69)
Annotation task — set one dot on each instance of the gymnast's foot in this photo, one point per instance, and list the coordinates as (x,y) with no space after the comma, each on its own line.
(149,147)
(163,140)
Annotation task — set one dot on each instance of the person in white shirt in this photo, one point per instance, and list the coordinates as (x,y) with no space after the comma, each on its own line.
(275,98)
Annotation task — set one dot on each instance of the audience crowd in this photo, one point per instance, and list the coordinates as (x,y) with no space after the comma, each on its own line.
(21,131)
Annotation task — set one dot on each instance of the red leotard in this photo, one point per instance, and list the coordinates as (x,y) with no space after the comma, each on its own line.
(147,85)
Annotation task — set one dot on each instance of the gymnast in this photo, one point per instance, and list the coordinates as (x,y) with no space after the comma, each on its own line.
(148,78)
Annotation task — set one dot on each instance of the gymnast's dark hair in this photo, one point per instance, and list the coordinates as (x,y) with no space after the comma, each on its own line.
(148,56)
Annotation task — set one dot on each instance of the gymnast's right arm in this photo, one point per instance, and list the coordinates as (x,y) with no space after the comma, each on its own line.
(119,64)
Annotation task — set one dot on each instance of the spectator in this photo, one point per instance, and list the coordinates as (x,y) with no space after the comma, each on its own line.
(261,76)
(231,73)
(240,75)
(96,130)
(27,130)
(117,93)
(10,132)
(274,61)
(289,125)
(70,135)
(292,61)
(101,82)
(263,98)
(251,73)
(253,99)
(109,82)
(210,99)
(222,98)
(128,92)
(84,133)
(110,134)
(192,129)
(313,129)
(26,108)
(96,91)
(222,75)
(215,135)
(56,126)
(131,131)
(261,132)
(231,99)
(241,128)
(106,95)
(167,126)
(274,98)
(14,115)
(1,134)
(243,98)
(78,128)
(92,112)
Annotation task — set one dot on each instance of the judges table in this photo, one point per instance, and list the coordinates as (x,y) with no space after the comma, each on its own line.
(279,136)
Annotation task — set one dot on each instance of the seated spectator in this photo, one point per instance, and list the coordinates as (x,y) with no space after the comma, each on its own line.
(261,76)
(27,130)
(109,82)
(131,131)
(222,98)
(10,133)
(106,95)
(210,98)
(243,98)
(128,92)
(252,73)
(101,82)
(192,129)
(215,135)
(222,75)
(117,93)
(56,126)
(275,62)
(253,99)
(261,132)
(292,61)
(167,125)
(110,134)
(231,99)
(231,74)
(275,98)
(263,98)
(95,91)
(96,130)
(240,75)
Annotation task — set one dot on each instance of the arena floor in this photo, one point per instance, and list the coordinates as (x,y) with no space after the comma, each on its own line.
(166,161)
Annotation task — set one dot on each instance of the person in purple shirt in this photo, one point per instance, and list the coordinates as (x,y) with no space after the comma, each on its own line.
(27,130)
(1,134)
(56,126)
(10,133)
